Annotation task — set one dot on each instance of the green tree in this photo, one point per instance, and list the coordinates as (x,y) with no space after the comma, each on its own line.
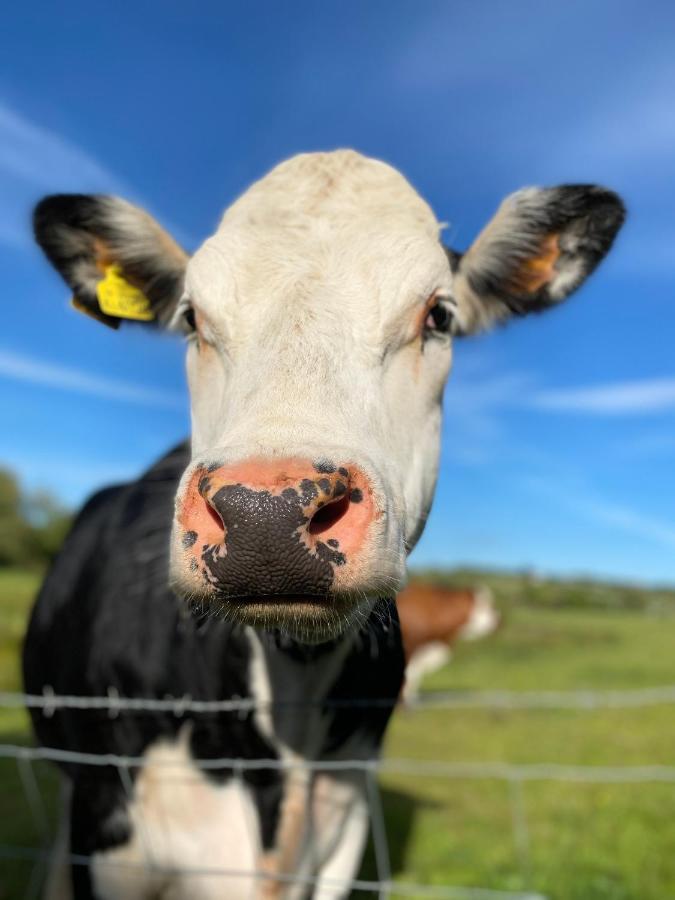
(32,526)
(47,525)
(13,527)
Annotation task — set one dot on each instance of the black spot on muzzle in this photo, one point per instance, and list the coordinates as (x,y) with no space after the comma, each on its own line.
(189,539)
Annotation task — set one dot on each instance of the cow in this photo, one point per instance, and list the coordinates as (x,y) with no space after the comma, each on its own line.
(260,560)
(432,618)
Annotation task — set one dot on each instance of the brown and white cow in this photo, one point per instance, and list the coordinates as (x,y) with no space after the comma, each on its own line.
(432,619)
(319,321)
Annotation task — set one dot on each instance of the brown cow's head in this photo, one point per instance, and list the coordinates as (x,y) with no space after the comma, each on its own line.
(319,321)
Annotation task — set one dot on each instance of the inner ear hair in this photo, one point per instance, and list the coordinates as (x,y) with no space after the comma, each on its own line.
(82,234)
(539,247)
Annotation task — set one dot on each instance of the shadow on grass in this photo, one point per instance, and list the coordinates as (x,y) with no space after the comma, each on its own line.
(400,810)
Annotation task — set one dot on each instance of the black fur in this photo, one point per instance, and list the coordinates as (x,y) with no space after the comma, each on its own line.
(106,618)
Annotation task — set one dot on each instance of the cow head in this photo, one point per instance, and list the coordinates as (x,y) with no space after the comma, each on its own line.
(319,322)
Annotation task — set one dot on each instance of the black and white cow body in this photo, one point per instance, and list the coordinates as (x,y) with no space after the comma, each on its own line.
(106,623)
(320,319)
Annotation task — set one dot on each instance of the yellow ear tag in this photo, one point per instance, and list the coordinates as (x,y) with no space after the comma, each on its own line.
(117,297)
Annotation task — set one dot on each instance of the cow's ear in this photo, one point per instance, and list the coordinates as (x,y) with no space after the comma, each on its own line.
(539,247)
(118,261)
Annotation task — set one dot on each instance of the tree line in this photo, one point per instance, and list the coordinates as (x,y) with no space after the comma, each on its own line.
(32,524)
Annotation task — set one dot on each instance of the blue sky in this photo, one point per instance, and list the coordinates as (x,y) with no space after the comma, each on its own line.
(559,434)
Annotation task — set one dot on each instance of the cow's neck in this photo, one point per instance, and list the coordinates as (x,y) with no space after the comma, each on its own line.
(290,681)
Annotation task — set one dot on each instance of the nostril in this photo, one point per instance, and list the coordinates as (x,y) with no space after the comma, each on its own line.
(328,515)
(215,517)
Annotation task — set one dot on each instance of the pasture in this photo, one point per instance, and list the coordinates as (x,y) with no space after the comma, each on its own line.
(575,841)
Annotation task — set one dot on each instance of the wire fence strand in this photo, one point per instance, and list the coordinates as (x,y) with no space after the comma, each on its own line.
(420,767)
(514,775)
(114,703)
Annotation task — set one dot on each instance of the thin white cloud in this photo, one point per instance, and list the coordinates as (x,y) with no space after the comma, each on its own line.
(49,375)
(474,398)
(478,403)
(622,398)
(78,474)
(479,397)
(580,500)
(44,158)
(469,395)
(35,160)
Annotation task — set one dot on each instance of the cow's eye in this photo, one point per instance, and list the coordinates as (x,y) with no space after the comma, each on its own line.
(189,321)
(439,319)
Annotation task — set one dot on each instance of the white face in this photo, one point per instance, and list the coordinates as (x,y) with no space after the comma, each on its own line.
(320,319)
(314,340)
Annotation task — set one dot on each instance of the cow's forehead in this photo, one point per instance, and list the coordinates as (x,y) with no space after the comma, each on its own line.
(336,187)
(317,215)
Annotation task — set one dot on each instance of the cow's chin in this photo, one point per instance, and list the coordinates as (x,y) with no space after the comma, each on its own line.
(307,618)
(310,618)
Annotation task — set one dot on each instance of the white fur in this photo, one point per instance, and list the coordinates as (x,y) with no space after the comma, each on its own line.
(424,661)
(310,298)
(184,827)
(484,618)
(340,822)
(313,287)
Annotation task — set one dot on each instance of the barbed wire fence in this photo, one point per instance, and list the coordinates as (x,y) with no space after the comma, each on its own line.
(515,776)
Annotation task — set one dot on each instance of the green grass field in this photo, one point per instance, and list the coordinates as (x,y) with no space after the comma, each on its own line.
(582,841)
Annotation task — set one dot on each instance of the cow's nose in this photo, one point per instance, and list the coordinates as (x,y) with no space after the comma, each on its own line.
(269,526)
